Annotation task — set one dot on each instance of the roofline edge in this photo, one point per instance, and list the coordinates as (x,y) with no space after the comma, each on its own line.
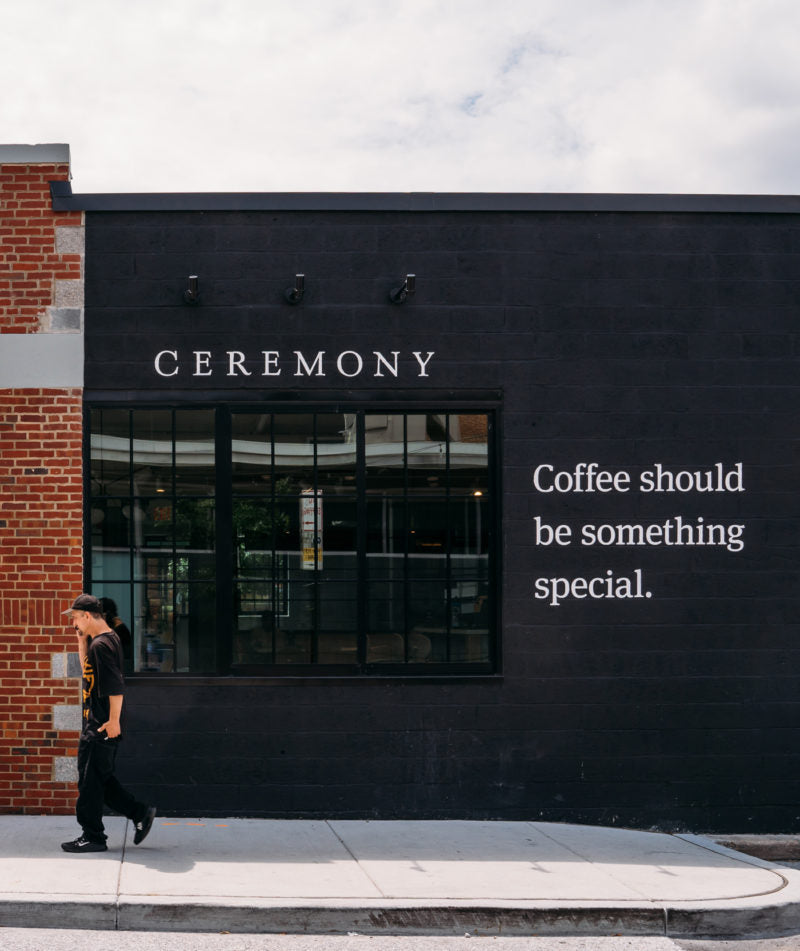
(64,200)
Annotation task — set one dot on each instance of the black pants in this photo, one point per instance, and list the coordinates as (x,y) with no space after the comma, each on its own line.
(99,787)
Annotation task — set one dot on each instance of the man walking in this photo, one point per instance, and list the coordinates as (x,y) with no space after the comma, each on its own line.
(103,688)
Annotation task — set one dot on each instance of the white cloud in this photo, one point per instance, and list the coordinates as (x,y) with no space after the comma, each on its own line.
(551,95)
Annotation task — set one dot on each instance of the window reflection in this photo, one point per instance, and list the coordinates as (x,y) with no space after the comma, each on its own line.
(353,538)
(153,547)
(110,447)
(251,453)
(194,452)
(152,452)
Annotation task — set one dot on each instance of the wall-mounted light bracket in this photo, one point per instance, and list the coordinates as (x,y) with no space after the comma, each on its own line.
(192,293)
(398,295)
(295,294)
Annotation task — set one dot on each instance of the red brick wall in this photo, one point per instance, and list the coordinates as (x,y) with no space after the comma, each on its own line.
(40,508)
(29,264)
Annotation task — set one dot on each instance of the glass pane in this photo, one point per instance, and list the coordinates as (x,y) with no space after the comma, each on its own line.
(110,452)
(153,528)
(386,538)
(469,647)
(292,647)
(386,608)
(254,637)
(336,453)
(301,610)
(395,648)
(116,598)
(469,601)
(251,453)
(338,606)
(254,564)
(154,635)
(256,525)
(259,637)
(427,453)
(427,538)
(339,648)
(294,453)
(111,556)
(340,567)
(287,529)
(427,617)
(194,538)
(254,597)
(385,453)
(386,648)
(195,649)
(469,525)
(338,538)
(469,455)
(152,452)
(194,452)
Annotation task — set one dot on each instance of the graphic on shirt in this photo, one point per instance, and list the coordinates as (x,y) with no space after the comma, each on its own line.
(88,686)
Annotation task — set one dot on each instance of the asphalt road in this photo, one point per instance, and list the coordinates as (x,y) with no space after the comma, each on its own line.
(32,939)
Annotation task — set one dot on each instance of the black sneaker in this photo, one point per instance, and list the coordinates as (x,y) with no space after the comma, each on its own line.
(144,825)
(82,844)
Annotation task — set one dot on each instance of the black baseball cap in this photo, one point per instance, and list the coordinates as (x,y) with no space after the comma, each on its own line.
(85,602)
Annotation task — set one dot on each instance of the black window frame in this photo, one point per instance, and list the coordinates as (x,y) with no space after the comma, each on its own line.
(362,669)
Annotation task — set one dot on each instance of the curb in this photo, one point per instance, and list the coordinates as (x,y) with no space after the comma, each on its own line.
(740,918)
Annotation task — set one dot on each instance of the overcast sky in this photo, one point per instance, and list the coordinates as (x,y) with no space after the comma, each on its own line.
(409,95)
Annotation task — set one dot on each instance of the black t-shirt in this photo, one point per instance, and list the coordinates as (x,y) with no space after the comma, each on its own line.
(102,678)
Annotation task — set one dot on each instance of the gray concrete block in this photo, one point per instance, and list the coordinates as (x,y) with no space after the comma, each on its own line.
(58,665)
(65,769)
(70,240)
(65,665)
(67,717)
(69,293)
(65,319)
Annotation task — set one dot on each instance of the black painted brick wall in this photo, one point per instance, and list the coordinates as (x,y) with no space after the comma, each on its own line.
(624,339)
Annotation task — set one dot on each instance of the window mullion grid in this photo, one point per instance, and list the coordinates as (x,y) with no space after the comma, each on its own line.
(407,542)
(225,542)
(448,514)
(361,540)
(132,542)
(274,558)
(316,599)
(494,529)
(174,573)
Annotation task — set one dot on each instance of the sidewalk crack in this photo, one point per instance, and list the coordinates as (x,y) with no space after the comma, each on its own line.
(349,851)
(119,874)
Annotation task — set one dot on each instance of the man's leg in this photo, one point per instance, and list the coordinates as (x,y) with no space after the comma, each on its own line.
(92,774)
(120,800)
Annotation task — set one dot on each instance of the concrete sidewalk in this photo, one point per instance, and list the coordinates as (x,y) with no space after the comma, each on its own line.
(376,877)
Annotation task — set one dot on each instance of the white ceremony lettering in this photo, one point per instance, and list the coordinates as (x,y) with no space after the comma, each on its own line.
(236,362)
(382,360)
(423,363)
(271,367)
(317,364)
(202,358)
(174,355)
(348,364)
(340,365)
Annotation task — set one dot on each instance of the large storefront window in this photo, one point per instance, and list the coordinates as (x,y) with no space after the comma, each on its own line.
(241,540)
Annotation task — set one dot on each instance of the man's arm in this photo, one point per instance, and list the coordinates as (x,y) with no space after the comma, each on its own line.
(111,727)
(83,647)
